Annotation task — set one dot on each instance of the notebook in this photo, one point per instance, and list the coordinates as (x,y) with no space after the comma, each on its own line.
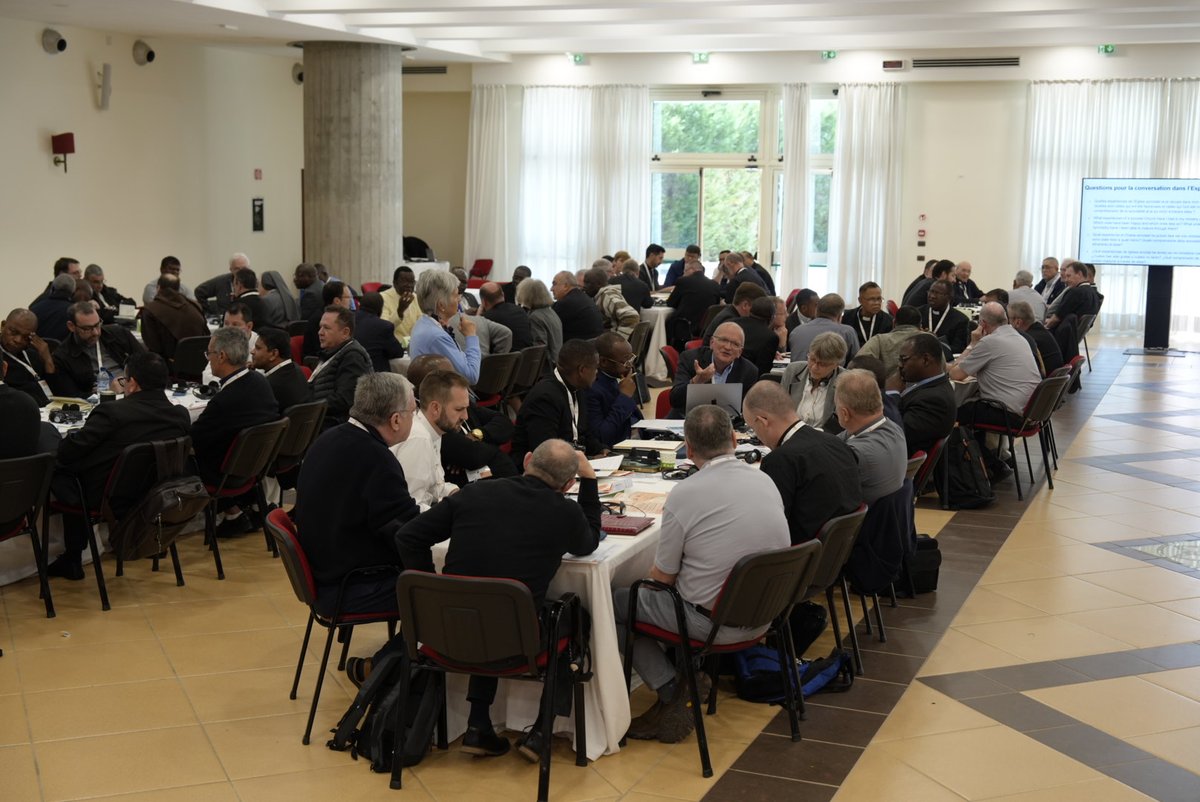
(624,524)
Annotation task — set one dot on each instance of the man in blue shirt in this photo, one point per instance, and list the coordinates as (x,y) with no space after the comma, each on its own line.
(612,404)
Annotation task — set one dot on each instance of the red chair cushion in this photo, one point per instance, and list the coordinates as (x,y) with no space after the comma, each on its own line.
(662,406)
(488,400)
(991,427)
(667,636)
(542,659)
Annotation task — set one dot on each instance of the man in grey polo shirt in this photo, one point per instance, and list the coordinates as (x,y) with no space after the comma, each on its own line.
(877,442)
(1000,358)
(718,515)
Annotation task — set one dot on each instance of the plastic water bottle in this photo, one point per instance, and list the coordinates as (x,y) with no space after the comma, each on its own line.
(103,381)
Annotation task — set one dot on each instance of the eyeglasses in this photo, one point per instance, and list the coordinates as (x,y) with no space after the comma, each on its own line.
(211,353)
(726,341)
(628,363)
(83,328)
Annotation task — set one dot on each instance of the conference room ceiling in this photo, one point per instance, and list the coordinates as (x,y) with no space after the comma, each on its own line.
(496,30)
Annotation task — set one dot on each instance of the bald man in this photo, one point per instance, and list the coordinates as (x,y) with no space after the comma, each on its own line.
(497,308)
(720,363)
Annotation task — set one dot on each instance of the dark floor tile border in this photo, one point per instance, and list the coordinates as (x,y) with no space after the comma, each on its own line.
(1126,548)
(969,542)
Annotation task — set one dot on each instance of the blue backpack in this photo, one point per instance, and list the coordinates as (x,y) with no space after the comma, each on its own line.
(756,674)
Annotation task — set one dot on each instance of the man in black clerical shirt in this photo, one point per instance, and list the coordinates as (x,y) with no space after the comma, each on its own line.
(498,309)
(273,356)
(942,320)
(868,318)
(27,356)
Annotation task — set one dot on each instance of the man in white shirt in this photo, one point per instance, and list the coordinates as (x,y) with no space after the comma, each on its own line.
(237,316)
(1023,291)
(444,402)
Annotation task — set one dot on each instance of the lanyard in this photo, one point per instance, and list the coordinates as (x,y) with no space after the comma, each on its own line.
(20,358)
(277,367)
(231,379)
(941,320)
(574,402)
(866,335)
(795,427)
(869,429)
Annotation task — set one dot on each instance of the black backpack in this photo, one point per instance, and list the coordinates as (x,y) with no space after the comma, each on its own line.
(377,699)
(153,523)
(968,480)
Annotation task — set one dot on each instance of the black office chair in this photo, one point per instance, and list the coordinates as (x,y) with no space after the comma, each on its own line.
(24,485)
(191,358)
(304,426)
(837,537)
(533,364)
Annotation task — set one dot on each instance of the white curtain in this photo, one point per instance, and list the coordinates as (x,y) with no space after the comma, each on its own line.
(1089,129)
(1179,157)
(793,259)
(492,178)
(585,175)
(864,206)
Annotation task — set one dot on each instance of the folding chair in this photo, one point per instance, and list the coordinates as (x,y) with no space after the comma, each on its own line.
(304,425)
(24,486)
(1038,409)
(496,374)
(837,537)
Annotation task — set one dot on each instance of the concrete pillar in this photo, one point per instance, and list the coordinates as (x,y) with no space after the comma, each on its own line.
(353,160)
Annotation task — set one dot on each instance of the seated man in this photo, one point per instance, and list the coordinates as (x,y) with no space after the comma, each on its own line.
(343,361)
(376,334)
(868,318)
(169,317)
(310,291)
(215,295)
(1051,286)
(721,364)
(1000,359)
(497,309)
(891,402)
(725,511)
(679,268)
(965,290)
(245,291)
(942,320)
(636,291)
(745,295)
(816,474)
(581,318)
(352,497)
(520,273)
(52,308)
(885,347)
(444,398)
(493,337)
(829,315)
(143,415)
(733,272)
(554,407)
(1023,291)
(516,528)
(927,400)
(108,298)
(692,293)
(811,383)
(1024,319)
(399,303)
(762,336)
(26,356)
(22,433)
(877,441)
(472,450)
(333,293)
(612,406)
(91,348)
(802,309)
(617,314)
(272,355)
(171,265)
(237,316)
(1079,298)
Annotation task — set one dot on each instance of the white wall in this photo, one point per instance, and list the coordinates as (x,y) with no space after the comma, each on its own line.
(168,168)
(435,169)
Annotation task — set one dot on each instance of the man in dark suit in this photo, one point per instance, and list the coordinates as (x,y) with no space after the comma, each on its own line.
(868,318)
(352,497)
(26,356)
(557,405)
(636,293)
(581,318)
(375,334)
(693,293)
(310,290)
(144,414)
(735,272)
(91,347)
(333,293)
(918,292)
(244,399)
(927,404)
(215,295)
(1024,320)
(496,308)
(1080,297)
(108,298)
(343,362)
(52,307)
(245,290)
(942,320)
(648,270)
(520,273)
(816,473)
(22,434)
(1051,286)
(761,338)
(721,364)
(272,355)
(612,399)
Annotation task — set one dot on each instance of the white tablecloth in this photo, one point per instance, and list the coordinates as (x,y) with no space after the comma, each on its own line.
(618,562)
(656,367)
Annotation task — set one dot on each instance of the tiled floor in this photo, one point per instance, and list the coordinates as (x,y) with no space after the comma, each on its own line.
(1058,660)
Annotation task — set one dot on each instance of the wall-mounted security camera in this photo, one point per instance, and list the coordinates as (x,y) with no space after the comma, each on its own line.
(298,73)
(143,54)
(53,42)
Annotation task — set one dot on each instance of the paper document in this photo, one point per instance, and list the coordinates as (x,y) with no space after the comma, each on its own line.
(604,466)
(664,424)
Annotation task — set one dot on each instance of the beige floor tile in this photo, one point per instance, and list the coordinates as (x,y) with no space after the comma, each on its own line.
(81,712)
(627,767)
(1104,789)
(1076,558)
(1035,536)
(960,652)
(350,782)
(1043,638)
(208,792)
(200,584)
(22,601)
(1181,747)
(72,629)
(1092,530)
(207,617)
(924,711)
(1172,498)
(92,664)
(983,763)
(233,651)
(13,727)
(1123,707)
(986,604)
(241,746)
(19,773)
(1152,584)
(678,775)
(263,692)
(1188,607)
(1144,625)
(1010,567)
(1099,503)
(1183,681)
(878,776)
(127,762)
(10,679)
(1062,594)
(1163,522)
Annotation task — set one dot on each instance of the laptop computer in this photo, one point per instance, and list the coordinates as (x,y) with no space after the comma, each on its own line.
(726,396)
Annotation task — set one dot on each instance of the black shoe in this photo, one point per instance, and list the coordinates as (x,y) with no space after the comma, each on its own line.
(232,527)
(66,568)
(998,472)
(645,726)
(484,743)
(530,746)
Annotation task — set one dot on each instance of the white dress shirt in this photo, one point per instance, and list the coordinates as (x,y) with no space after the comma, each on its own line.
(421,458)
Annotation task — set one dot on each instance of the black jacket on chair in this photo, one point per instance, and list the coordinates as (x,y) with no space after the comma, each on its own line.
(91,452)
(691,297)
(245,400)
(743,372)
(581,318)
(928,412)
(336,381)
(636,293)
(817,477)
(74,375)
(289,385)
(546,414)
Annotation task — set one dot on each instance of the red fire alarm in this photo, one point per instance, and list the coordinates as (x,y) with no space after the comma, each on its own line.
(257,174)
(921,232)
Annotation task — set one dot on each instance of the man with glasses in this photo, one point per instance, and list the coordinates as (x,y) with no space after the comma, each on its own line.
(829,315)
(868,318)
(811,383)
(722,363)
(612,402)
(27,356)
(92,352)
(927,401)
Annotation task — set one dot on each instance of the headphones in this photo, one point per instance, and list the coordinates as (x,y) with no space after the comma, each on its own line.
(676,474)
(613,507)
(750,457)
(69,413)
(206,390)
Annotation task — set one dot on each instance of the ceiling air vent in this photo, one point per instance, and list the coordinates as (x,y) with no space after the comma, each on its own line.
(431,70)
(940,63)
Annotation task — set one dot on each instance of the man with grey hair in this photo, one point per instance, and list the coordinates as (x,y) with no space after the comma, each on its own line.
(1024,292)
(107,297)
(516,528)
(1001,360)
(352,497)
(1051,286)
(723,363)
(725,511)
(878,442)
(635,291)
(829,318)
(581,318)
(1025,320)
(217,293)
